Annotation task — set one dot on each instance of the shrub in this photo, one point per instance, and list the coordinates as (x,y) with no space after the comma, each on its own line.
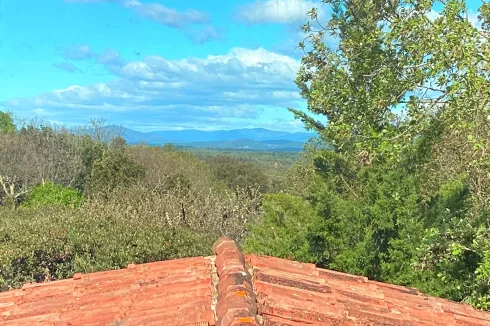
(208,211)
(166,168)
(239,173)
(53,194)
(6,122)
(115,169)
(289,229)
(49,243)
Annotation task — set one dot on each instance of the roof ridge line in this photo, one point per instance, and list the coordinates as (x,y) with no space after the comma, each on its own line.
(237,302)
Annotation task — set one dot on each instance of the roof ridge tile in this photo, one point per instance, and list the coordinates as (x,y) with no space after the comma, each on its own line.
(237,303)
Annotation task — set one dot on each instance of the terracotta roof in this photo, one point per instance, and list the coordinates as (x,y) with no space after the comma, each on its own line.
(224,290)
(177,291)
(292,293)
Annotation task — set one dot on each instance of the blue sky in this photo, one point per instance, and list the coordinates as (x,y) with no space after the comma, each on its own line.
(153,64)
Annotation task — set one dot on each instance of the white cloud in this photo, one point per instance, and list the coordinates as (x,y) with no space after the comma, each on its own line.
(433,15)
(109,57)
(276,11)
(192,92)
(473,19)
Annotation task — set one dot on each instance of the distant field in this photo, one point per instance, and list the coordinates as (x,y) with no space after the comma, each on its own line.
(274,164)
(265,159)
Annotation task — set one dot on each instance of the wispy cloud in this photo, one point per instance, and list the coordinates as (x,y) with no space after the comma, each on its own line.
(78,52)
(182,20)
(108,58)
(275,11)
(67,66)
(201,36)
(41,112)
(167,16)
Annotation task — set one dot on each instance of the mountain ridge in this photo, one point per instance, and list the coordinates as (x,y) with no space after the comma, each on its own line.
(245,138)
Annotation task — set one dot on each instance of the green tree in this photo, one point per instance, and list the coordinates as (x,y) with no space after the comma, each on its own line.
(391,57)
(53,194)
(290,228)
(114,169)
(239,173)
(6,122)
(403,190)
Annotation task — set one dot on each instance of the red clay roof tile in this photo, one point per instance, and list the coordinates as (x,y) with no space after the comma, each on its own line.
(174,292)
(290,293)
(226,290)
(237,303)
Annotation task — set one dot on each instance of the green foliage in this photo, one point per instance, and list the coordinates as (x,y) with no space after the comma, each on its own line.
(140,204)
(362,213)
(274,165)
(114,169)
(392,57)
(239,173)
(263,159)
(402,194)
(290,228)
(53,194)
(48,243)
(91,152)
(6,122)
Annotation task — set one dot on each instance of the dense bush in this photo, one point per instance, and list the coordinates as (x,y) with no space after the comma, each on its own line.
(167,168)
(290,228)
(113,170)
(6,123)
(239,173)
(48,243)
(212,212)
(53,194)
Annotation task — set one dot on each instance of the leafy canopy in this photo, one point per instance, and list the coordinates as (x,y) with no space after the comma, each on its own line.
(393,72)
(402,194)
(6,122)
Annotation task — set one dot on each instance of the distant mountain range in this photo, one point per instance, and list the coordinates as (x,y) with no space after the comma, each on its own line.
(239,139)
